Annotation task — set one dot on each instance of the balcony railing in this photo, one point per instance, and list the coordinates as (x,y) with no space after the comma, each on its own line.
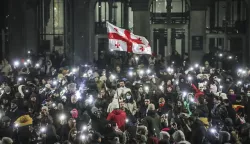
(100,28)
(161,18)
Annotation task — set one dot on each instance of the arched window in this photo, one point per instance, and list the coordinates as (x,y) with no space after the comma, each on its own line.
(118,13)
(102,11)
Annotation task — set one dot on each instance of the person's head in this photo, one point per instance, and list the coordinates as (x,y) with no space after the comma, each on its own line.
(147,102)
(200,86)
(33,98)
(161,102)
(217,100)
(248,93)
(118,69)
(128,96)
(102,55)
(122,84)
(72,123)
(102,93)
(231,92)
(13,104)
(5,100)
(60,106)
(206,64)
(121,104)
(179,104)
(169,89)
(44,110)
(73,99)
(140,90)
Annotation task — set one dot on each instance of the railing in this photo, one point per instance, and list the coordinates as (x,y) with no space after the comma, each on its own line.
(100,28)
(161,18)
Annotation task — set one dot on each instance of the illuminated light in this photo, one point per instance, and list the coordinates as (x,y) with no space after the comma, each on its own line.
(84,128)
(244,72)
(55,82)
(20,79)
(28,60)
(43,129)
(130,73)
(25,63)
(86,65)
(220,55)
(62,117)
(26,91)
(192,100)
(239,82)
(161,87)
(83,137)
(127,120)
(136,58)
(16,125)
(85,75)
(53,105)
(190,78)
(74,70)
(184,94)
(141,72)
(37,65)
(148,71)
(240,70)
(172,62)
(212,130)
(191,68)
(78,95)
(230,57)
(111,50)
(221,86)
(219,80)
(146,88)
(28,52)
(113,77)
(196,65)
(16,63)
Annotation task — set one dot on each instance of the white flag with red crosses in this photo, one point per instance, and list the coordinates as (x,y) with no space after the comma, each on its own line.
(124,40)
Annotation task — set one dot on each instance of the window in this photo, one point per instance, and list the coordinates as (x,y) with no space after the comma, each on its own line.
(130,19)
(118,13)
(52,25)
(102,11)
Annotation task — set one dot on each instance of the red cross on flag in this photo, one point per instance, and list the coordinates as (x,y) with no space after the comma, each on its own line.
(124,40)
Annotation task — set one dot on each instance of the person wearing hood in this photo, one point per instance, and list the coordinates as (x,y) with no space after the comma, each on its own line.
(198,130)
(122,90)
(118,116)
(179,137)
(22,128)
(152,122)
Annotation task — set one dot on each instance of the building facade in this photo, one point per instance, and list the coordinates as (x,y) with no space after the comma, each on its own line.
(77,28)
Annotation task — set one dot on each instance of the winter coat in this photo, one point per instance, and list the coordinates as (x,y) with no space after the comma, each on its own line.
(152,122)
(202,110)
(198,132)
(131,107)
(198,93)
(118,116)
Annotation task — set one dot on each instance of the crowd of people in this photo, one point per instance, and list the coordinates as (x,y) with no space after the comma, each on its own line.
(123,99)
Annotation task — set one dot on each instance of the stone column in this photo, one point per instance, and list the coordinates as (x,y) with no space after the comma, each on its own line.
(197,29)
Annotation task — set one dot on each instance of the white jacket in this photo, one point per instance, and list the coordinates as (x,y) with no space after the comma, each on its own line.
(121,91)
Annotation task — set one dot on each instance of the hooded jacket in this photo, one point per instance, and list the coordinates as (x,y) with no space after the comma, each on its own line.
(152,122)
(118,116)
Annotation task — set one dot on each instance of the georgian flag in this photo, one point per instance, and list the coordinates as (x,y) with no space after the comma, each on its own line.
(124,40)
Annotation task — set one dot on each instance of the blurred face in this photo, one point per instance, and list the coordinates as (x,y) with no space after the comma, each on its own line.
(140,90)
(13,105)
(122,105)
(122,84)
(169,82)
(231,92)
(102,93)
(146,102)
(73,99)
(118,69)
(33,99)
(179,104)
(169,89)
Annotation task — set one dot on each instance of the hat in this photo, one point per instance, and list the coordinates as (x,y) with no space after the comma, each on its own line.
(7,140)
(97,135)
(47,86)
(178,136)
(94,109)
(45,107)
(24,120)
(151,107)
(74,113)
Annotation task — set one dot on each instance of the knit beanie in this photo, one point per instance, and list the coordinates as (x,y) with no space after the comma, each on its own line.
(178,136)
(74,113)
